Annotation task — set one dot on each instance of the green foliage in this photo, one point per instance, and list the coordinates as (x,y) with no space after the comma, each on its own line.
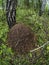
(40,25)
(3,26)
(0,2)
(5,55)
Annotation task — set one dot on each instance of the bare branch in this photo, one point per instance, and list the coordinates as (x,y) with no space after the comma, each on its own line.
(40,47)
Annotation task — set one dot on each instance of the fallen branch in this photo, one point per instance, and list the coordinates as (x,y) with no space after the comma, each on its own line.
(40,47)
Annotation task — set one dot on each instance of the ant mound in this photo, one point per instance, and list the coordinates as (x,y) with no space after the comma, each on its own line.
(21,39)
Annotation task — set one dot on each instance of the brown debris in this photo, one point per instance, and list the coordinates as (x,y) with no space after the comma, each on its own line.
(21,39)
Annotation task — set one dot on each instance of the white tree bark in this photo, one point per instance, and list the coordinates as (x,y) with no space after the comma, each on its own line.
(11,12)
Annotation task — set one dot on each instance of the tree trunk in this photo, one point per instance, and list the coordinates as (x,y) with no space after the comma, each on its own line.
(40,5)
(26,2)
(11,12)
(43,5)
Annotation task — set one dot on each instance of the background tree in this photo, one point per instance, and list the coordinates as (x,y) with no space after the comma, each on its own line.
(40,5)
(26,2)
(11,12)
(43,5)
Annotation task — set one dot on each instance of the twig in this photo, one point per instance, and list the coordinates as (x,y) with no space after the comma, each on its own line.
(39,47)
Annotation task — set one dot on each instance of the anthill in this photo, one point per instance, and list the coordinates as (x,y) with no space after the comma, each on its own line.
(21,39)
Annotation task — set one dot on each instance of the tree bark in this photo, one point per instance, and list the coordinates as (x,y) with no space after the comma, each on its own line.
(40,5)
(26,2)
(11,12)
